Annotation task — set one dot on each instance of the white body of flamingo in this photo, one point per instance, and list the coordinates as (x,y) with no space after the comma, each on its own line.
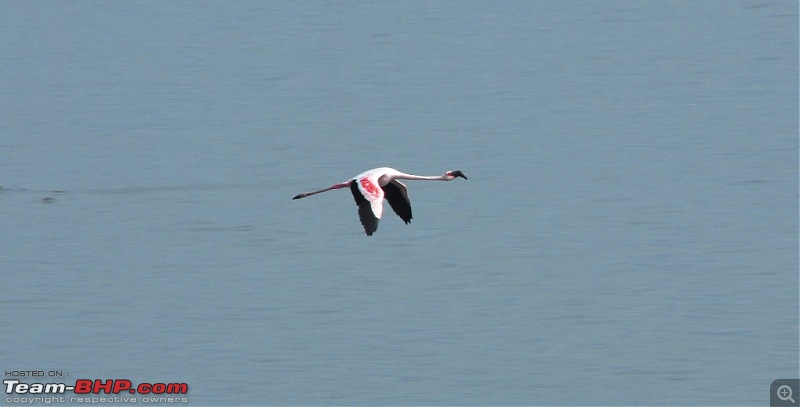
(370,188)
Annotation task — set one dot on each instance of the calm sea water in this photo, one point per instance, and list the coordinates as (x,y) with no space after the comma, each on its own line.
(628,233)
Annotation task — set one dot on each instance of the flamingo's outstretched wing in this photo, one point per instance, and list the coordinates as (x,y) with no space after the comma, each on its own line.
(397,195)
(369,198)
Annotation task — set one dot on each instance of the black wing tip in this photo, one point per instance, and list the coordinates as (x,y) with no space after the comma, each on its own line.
(370,228)
(369,232)
(367,218)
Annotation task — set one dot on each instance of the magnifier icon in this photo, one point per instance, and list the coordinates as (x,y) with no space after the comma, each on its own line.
(785,393)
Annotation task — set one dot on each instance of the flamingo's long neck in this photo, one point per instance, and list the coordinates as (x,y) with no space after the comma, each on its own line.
(421,177)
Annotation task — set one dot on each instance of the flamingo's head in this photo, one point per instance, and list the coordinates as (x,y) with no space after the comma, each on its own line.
(456,173)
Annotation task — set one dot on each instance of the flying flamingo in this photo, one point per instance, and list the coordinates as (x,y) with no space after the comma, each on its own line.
(370,187)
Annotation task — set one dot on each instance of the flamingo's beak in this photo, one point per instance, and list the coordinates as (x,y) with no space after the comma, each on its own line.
(458,173)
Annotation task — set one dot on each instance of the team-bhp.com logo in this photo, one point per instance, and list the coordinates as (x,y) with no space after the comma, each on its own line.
(87,388)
